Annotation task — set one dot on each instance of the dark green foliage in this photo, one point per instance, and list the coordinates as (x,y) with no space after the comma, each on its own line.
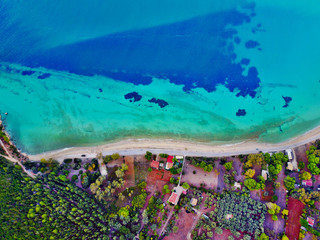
(301,165)
(247,214)
(67,160)
(148,155)
(53,208)
(74,178)
(163,155)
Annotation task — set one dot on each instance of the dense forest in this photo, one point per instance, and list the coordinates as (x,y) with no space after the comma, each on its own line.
(52,207)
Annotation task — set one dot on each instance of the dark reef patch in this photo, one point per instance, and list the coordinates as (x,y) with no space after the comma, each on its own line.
(245,61)
(133,96)
(44,76)
(252,44)
(241,112)
(237,40)
(100,89)
(27,72)
(287,101)
(160,102)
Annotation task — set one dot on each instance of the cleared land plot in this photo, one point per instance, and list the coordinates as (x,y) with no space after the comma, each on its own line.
(210,179)
(295,208)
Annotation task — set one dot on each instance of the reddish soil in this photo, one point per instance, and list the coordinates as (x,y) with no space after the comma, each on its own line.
(129,174)
(159,175)
(295,208)
(184,224)
(269,189)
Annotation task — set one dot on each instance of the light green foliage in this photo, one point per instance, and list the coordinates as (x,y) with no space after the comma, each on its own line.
(165,189)
(124,211)
(313,161)
(301,165)
(142,185)
(139,201)
(185,185)
(263,236)
(289,182)
(228,166)
(252,184)
(115,156)
(218,230)
(305,176)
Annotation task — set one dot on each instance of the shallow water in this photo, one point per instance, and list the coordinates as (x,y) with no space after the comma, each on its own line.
(223,71)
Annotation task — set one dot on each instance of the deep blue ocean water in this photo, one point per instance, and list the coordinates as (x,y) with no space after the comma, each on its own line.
(79,73)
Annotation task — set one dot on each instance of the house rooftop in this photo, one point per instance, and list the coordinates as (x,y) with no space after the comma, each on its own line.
(174,198)
(310,221)
(155,164)
(169,159)
(307,183)
(237,185)
(264,174)
(194,201)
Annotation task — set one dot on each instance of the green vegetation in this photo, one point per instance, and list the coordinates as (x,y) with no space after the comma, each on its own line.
(313,160)
(301,165)
(51,207)
(276,162)
(305,176)
(246,213)
(252,184)
(289,182)
(148,155)
(228,166)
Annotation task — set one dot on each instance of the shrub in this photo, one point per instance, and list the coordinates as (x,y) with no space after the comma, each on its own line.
(228,166)
(149,169)
(218,230)
(274,198)
(67,160)
(115,156)
(301,165)
(74,178)
(148,155)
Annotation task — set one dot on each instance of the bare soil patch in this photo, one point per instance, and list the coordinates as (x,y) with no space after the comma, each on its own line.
(295,208)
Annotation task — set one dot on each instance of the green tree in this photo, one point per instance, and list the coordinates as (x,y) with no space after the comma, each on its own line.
(250,173)
(124,211)
(115,156)
(218,230)
(228,166)
(165,189)
(301,165)
(185,185)
(263,236)
(289,182)
(139,201)
(148,155)
(305,176)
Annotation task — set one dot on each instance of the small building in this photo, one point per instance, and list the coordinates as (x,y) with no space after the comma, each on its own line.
(155,164)
(237,185)
(174,198)
(184,192)
(290,166)
(169,162)
(265,174)
(289,153)
(310,221)
(179,157)
(194,201)
(161,165)
(175,195)
(307,183)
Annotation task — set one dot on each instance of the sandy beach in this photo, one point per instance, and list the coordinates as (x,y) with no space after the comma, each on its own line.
(140,146)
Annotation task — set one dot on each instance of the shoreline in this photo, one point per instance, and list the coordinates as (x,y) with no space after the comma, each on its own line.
(176,147)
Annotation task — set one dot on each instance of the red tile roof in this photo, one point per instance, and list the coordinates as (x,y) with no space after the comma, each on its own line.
(310,221)
(155,164)
(169,159)
(307,182)
(173,198)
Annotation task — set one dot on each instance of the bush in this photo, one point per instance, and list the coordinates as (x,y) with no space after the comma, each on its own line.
(274,198)
(149,169)
(148,155)
(163,155)
(115,156)
(301,165)
(228,166)
(74,178)
(67,160)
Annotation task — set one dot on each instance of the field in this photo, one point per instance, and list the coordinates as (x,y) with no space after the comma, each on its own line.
(295,210)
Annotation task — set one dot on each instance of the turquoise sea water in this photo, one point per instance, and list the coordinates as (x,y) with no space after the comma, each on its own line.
(66,68)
